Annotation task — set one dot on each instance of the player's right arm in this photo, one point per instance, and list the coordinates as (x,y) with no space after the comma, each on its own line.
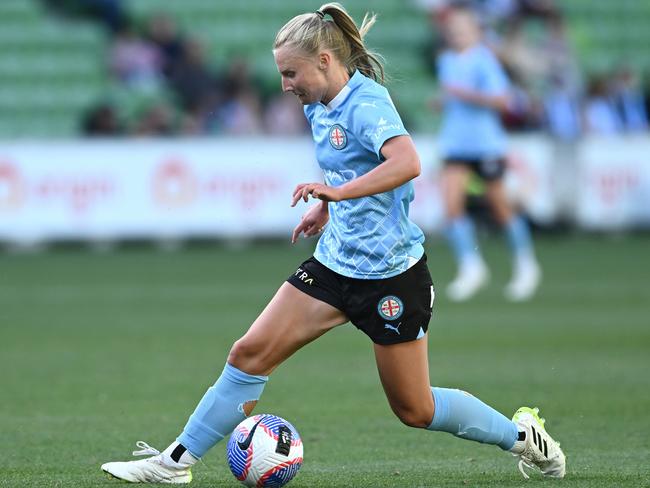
(401,164)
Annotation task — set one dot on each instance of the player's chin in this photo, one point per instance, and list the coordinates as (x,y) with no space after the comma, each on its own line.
(305,99)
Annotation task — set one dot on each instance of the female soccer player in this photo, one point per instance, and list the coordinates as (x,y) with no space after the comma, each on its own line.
(369,266)
(472,139)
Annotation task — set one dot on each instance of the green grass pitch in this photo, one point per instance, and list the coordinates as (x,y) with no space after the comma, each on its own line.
(99,350)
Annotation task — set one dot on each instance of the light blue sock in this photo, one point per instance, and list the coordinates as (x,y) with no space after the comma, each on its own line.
(467,417)
(519,239)
(220,409)
(461,236)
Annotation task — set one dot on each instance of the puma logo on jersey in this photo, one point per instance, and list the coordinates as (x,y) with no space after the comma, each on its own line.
(394,328)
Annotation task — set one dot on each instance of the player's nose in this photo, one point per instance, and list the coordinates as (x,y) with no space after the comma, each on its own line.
(286,85)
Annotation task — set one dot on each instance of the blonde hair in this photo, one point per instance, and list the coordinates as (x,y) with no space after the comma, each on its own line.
(311,32)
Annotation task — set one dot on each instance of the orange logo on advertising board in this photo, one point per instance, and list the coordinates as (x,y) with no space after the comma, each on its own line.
(11,186)
(612,184)
(174,184)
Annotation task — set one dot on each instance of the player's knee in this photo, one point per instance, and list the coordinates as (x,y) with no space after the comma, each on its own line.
(454,207)
(418,418)
(244,355)
(454,211)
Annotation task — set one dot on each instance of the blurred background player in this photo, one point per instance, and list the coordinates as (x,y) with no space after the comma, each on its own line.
(472,140)
(369,266)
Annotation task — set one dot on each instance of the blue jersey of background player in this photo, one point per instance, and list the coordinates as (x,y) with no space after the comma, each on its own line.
(382,286)
(472,139)
(369,237)
(470,130)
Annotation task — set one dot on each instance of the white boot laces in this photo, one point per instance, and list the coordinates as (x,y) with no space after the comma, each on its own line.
(524,462)
(145,449)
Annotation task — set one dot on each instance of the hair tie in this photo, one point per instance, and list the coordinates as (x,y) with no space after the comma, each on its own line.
(320,14)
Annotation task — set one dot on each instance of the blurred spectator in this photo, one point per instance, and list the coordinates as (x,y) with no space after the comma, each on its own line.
(135,61)
(284,116)
(240,111)
(521,112)
(497,11)
(156,120)
(193,81)
(562,60)
(562,110)
(534,48)
(562,89)
(629,99)
(600,114)
(523,50)
(191,125)
(163,32)
(544,9)
(436,11)
(101,120)
(490,13)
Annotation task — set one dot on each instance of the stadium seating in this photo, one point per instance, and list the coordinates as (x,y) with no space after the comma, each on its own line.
(249,27)
(52,69)
(608,33)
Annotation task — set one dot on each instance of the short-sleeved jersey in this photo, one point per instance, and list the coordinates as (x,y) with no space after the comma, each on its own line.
(470,130)
(369,237)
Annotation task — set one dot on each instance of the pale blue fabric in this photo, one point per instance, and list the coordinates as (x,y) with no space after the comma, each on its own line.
(220,410)
(462,237)
(370,237)
(519,238)
(467,417)
(469,130)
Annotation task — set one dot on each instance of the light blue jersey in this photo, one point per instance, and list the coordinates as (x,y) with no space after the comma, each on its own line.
(370,237)
(469,130)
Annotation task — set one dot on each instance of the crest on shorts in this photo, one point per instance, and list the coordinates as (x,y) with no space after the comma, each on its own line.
(390,307)
(338,137)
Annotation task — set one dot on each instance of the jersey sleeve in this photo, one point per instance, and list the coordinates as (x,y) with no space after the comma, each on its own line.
(375,120)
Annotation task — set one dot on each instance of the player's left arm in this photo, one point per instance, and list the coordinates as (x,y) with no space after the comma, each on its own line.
(401,164)
(496,102)
(312,222)
(493,90)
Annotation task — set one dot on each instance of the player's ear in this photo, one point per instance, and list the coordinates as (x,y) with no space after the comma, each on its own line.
(324,60)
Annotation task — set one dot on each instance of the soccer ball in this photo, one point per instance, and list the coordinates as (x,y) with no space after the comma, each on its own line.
(264,450)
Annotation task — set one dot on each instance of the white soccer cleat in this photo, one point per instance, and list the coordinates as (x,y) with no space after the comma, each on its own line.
(150,470)
(524,282)
(538,450)
(470,279)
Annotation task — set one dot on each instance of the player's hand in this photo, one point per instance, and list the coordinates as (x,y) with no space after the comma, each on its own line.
(460,93)
(312,222)
(316,190)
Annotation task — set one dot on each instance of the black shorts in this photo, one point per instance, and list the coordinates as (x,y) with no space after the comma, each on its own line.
(489,169)
(389,310)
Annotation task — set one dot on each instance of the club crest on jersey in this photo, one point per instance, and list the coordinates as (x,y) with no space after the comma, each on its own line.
(338,137)
(390,307)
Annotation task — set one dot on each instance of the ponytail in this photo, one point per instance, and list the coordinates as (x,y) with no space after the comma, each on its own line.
(312,32)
